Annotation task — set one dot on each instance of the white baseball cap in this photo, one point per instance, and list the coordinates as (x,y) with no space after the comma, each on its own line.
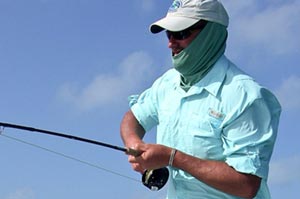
(185,13)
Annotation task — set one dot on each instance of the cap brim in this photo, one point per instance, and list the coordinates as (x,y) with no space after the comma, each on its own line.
(172,23)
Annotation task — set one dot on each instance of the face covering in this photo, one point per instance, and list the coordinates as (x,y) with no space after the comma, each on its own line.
(195,61)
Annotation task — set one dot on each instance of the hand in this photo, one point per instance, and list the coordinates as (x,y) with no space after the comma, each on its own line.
(152,156)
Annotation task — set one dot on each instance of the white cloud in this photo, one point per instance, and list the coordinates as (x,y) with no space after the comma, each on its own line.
(271,27)
(285,170)
(110,88)
(145,5)
(23,193)
(289,93)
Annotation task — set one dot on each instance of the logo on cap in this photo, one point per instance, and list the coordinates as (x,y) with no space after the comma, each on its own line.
(175,5)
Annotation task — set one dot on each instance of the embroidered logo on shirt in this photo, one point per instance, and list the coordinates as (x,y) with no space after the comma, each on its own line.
(215,114)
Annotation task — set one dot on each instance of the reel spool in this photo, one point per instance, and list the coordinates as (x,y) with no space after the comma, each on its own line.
(155,179)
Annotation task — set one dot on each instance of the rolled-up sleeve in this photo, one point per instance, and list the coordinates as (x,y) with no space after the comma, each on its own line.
(249,139)
(144,109)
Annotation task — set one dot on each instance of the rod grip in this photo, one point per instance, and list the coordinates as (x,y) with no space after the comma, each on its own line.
(133,152)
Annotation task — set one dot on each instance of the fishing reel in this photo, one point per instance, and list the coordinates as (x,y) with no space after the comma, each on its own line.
(155,179)
(152,179)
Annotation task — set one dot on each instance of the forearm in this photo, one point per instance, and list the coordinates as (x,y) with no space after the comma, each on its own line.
(131,131)
(218,175)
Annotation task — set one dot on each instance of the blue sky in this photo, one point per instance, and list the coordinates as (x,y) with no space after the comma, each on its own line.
(69,66)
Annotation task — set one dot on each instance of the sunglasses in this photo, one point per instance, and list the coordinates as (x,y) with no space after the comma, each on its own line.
(186,33)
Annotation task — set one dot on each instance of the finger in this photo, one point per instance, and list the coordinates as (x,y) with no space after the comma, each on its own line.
(132,159)
(135,159)
(137,167)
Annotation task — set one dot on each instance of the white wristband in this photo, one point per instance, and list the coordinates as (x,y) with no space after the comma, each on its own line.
(173,152)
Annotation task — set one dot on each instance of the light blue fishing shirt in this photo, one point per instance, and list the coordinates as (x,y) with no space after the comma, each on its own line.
(226,116)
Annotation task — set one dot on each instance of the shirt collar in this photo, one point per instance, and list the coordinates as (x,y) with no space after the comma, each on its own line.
(213,80)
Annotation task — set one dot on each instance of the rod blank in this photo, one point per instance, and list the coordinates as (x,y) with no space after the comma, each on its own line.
(27,128)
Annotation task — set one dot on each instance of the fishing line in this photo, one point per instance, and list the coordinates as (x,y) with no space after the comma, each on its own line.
(68,157)
(152,179)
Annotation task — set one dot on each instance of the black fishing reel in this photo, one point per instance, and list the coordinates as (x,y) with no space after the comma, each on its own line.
(155,179)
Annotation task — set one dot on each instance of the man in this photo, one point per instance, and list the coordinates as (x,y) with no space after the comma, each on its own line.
(216,127)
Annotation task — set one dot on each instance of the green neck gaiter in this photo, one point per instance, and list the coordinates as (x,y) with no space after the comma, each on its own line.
(195,61)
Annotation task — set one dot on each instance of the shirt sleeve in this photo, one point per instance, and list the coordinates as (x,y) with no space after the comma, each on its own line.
(249,139)
(144,109)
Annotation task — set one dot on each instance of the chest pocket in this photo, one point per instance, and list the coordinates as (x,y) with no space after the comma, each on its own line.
(206,130)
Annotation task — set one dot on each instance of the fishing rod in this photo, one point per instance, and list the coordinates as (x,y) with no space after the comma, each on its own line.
(153,179)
